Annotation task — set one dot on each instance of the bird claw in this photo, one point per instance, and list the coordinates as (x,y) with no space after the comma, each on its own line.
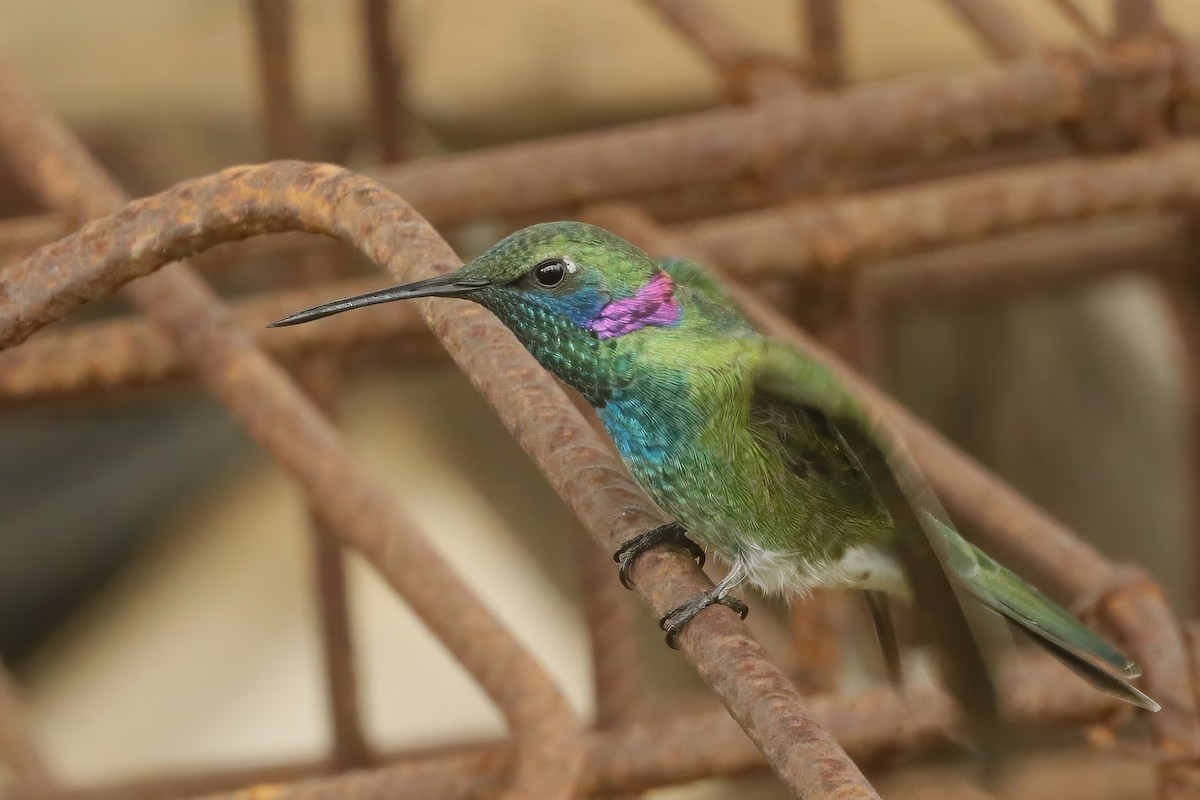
(677,618)
(671,533)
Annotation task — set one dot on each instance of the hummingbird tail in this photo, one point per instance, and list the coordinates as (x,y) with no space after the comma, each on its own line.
(1056,630)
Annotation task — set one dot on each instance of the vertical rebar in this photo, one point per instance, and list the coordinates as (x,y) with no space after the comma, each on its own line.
(272,37)
(616,663)
(823,36)
(385,76)
(1133,18)
(285,136)
(1079,20)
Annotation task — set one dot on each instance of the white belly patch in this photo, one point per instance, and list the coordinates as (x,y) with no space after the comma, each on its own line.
(782,572)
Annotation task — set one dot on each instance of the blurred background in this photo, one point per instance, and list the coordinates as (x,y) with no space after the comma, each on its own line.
(156,602)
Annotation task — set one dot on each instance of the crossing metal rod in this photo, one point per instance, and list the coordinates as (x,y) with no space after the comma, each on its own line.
(278,415)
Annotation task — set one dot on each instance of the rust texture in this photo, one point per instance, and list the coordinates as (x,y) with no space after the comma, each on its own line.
(1045,169)
(276,414)
(242,201)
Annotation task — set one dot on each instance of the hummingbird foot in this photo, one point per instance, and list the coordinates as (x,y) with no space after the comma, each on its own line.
(677,618)
(671,533)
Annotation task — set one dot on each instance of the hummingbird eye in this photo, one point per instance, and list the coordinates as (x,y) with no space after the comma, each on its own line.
(550,273)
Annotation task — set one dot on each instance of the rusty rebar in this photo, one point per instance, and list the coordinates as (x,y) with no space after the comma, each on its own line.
(823,35)
(912,115)
(817,621)
(1079,20)
(131,353)
(276,413)
(349,748)
(997,25)
(285,135)
(921,115)
(385,78)
(272,20)
(22,236)
(616,663)
(875,725)
(748,73)
(1133,18)
(318,198)
(19,752)
(826,236)
(1010,526)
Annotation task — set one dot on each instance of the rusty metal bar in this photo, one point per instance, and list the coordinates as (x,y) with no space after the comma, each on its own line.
(277,414)
(285,134)
(249,200)
(748,75)
(1011,527)
(875,726)
(1134,18)
(20,237)
(385,75)
(823,34)
(817,622)
(272,32)
(929,115)
(616,663)
(1081,21)
(995,270)
(127,353)
(18,751)
(824,236)
(997,26)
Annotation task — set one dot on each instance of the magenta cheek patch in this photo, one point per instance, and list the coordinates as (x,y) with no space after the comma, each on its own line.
(654,304)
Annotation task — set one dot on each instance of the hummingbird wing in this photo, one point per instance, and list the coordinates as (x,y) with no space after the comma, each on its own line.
(941,564)
(786,375)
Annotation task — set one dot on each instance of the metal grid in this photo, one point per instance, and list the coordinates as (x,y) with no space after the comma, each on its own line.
(781,141)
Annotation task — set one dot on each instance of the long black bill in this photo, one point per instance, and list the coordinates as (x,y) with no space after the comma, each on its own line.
(449,285)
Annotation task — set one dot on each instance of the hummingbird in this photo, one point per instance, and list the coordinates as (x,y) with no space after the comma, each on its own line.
(756,452)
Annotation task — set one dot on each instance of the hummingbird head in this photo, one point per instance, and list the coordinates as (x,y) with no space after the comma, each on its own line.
(569,291)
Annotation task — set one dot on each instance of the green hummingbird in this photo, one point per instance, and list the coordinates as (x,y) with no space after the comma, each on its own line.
(756,451)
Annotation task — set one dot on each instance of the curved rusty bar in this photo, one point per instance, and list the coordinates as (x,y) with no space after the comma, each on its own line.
(1009,526)
(319,198)
(277,414)
(810,238)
